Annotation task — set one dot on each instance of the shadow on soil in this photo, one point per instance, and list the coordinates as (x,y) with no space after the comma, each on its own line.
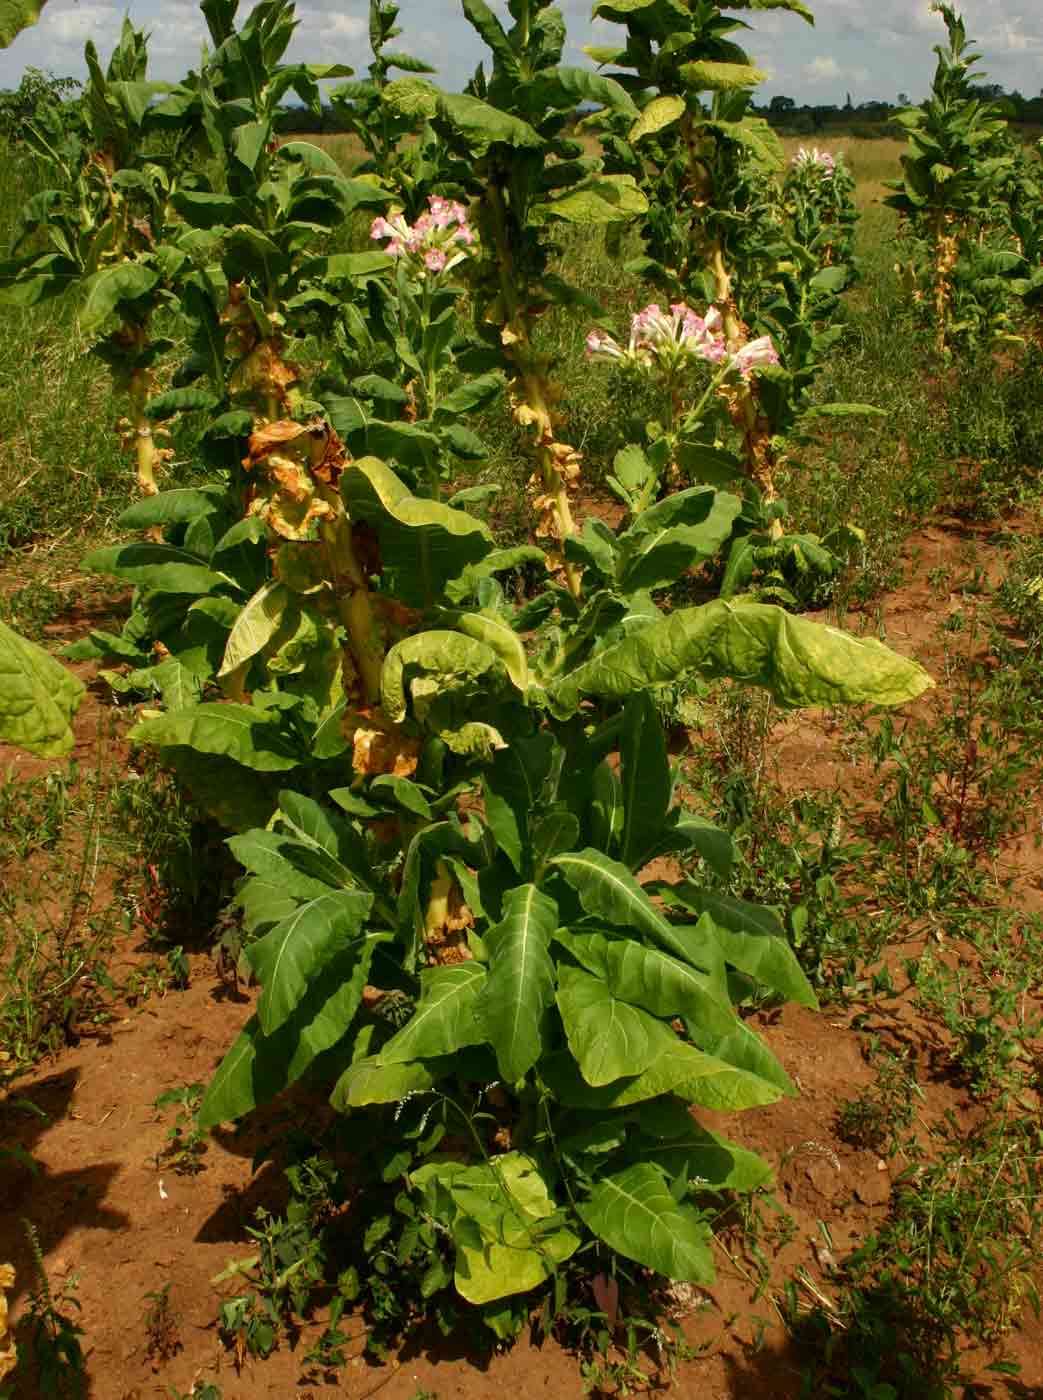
(56,1203)
(768,1374)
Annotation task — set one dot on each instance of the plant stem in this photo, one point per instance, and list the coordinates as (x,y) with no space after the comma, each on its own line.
(354,605)
(744,408)
(536,389)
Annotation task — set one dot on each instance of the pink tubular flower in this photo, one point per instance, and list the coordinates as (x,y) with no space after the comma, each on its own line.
(436,243)
(667,342)
(755,355)
(602,347)
(822,162)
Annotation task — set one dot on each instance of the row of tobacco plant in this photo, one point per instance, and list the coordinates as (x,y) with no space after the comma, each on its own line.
(971,206)
(441,761)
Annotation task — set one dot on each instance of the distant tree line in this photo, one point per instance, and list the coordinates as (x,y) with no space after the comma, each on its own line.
(876,117)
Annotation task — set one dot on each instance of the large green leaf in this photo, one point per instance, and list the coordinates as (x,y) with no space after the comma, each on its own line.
(609,1038)
(491,31)
(603,199)
(742,1048)
(286,959)
(38,697)
(258,1066)
(269,855)
(482,125)
(112,285)
(680,1069)
(238,798)
(520,985)
(680,1146)
(608,891)
(567,87)
(448,659)
(240,732)
(511,788)
(645,977)
(422,542)
(653,558)
(799,662)
(444,1020)
(707,76)
(635,1214)
(504,1222)
(177,507)
(753,940)
(16,15)
(161,567)
(370,1081)
(795,7)
(256,625)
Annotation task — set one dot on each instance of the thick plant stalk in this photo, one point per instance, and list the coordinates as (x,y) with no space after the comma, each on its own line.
(741,398)
(534,395)
(354,604)
(946,255)
(145,451)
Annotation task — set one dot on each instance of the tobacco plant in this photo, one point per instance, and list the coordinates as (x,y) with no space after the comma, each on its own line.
(508,136)
(959,159)
(447,797)
(770,262)
(401,148)
(107,226)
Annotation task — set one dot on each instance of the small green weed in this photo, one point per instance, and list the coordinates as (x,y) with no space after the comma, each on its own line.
(50,1357)
(186,1145)
(876,1118)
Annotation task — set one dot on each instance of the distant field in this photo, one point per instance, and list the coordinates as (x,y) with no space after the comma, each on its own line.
(872,162)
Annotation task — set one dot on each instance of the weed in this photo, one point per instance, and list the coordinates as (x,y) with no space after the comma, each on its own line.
(876,1118)
(51,1359)
(983,1001)
(31,608)
(954,1259)
(162,1328)
(33,813)
(186,1145)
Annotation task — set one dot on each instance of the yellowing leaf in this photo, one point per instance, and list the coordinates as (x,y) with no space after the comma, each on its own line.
(38,697)
(661,112)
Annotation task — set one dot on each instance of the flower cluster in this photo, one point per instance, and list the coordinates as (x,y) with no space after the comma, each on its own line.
(821,162)
(670,342)
(437,241)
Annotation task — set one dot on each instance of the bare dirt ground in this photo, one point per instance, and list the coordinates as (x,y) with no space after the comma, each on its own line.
(107,1213)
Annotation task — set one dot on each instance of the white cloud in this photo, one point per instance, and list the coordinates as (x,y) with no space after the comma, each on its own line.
(76,26)
(822,70)
(825,69)
(873,50)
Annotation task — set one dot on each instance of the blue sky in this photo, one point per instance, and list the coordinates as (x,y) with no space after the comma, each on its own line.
(870,48)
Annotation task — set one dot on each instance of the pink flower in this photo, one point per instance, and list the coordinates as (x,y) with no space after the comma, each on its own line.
(755,355)
(435,260)
(823,162)
(380,228)
(602,346)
